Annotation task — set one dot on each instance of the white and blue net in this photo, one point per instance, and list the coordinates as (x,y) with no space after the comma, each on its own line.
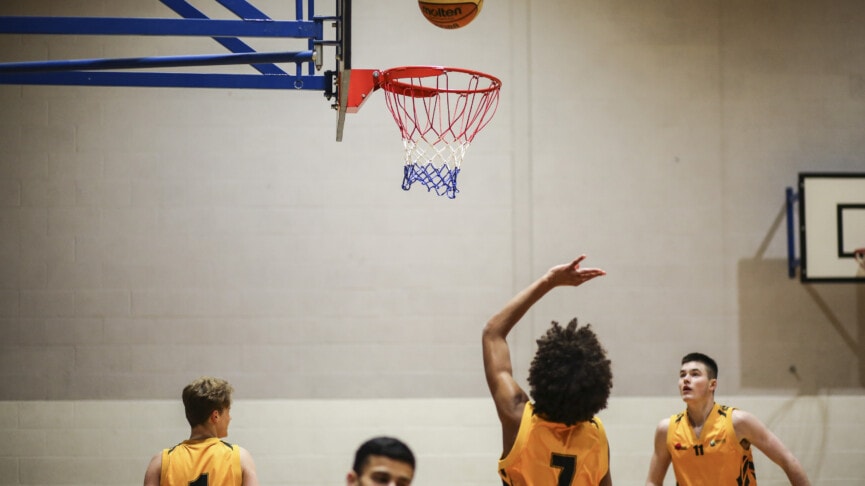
(439,111)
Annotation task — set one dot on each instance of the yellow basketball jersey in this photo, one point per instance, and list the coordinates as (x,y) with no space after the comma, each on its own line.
(716,457)
(550,454)
(208,462)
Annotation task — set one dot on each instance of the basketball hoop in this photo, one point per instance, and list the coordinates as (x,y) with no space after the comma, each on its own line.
(859,253)
(439,110)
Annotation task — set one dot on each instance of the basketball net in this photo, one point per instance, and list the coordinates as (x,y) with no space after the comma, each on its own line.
(438,111)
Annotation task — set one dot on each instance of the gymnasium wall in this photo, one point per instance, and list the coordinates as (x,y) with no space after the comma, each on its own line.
(149,236)
(456,440)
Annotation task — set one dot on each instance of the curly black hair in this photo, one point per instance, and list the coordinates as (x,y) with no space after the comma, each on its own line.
(570,377)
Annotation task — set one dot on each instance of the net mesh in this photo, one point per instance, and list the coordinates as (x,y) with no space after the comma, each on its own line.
(438,111)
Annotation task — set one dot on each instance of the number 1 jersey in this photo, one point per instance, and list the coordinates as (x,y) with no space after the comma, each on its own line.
(208,462)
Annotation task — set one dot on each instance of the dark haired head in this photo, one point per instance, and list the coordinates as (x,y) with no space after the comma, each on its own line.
(203,396)
(570,377)
(382,446)
(711,366)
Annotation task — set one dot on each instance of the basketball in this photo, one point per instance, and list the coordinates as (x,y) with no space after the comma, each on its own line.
(450,14)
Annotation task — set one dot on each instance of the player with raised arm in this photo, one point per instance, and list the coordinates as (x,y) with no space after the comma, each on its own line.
(554,438)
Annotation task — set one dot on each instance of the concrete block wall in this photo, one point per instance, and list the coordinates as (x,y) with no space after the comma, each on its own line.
(148,236)
(457,441)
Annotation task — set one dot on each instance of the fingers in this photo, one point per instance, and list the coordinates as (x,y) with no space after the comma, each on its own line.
(576,263)
(591,272)
(572,274)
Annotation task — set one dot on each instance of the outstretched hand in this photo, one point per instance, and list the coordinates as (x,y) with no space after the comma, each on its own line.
(572,274)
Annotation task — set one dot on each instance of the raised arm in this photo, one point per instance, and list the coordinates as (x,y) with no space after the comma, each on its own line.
(660,457)
(509,398)
(749,427)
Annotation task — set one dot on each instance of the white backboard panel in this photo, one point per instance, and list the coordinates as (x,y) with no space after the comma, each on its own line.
(832,225)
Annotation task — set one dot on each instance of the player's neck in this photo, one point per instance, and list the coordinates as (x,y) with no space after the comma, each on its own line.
(698,412)
(200,432)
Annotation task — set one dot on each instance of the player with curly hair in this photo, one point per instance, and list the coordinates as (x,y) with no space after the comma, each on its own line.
(554,438)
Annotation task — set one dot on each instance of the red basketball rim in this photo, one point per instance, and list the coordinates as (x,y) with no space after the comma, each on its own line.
(390,80)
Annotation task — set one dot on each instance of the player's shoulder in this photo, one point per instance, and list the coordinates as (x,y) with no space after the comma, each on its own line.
(157,458)
(746,424)
(664,424)
(738,414)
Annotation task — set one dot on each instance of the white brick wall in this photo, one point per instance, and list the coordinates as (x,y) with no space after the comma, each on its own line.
(457,441)
(148,236)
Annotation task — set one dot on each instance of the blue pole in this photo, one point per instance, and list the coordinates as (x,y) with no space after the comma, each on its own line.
(301,29)
(792,262)
(187,11)
(156,62)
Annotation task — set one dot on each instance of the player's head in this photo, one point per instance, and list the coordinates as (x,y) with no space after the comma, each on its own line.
(382,461)
(570,377)
(709,363)
(204,396)
(697,378)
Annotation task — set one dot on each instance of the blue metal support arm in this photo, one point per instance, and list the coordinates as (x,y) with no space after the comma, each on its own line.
(177,27)
(156,62)
(792,261)
(170,80)
(185,10)
(305,47)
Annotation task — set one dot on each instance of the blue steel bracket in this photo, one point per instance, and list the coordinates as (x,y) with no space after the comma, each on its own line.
(114,72)
(792,261)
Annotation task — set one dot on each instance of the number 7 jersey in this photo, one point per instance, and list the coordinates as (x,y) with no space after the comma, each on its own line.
(550,453)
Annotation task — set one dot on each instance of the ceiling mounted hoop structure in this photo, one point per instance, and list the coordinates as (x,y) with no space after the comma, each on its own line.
(438,110)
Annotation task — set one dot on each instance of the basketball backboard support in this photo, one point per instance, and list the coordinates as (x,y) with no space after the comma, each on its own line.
(831,226)
(309,33)
(343,62)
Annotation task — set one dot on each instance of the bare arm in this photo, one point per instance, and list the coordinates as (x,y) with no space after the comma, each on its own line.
(247,466)
(509,398)
(607,480)
(661,457)
(749,427)
(154,471)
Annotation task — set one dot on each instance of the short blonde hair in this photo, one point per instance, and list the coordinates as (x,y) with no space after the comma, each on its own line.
(203,396)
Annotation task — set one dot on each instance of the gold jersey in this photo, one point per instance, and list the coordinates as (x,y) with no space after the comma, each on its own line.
(717,457)
(550,453)
(208,462)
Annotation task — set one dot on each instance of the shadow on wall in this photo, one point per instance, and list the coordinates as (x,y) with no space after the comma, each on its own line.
(809,337)
(793,335)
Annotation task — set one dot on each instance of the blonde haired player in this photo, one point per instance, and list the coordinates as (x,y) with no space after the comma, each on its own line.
(204,459)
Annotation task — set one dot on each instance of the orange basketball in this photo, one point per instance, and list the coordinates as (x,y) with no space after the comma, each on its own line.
(450,14)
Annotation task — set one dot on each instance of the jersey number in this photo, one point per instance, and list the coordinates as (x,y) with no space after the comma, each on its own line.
(568,465)
(201,481)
